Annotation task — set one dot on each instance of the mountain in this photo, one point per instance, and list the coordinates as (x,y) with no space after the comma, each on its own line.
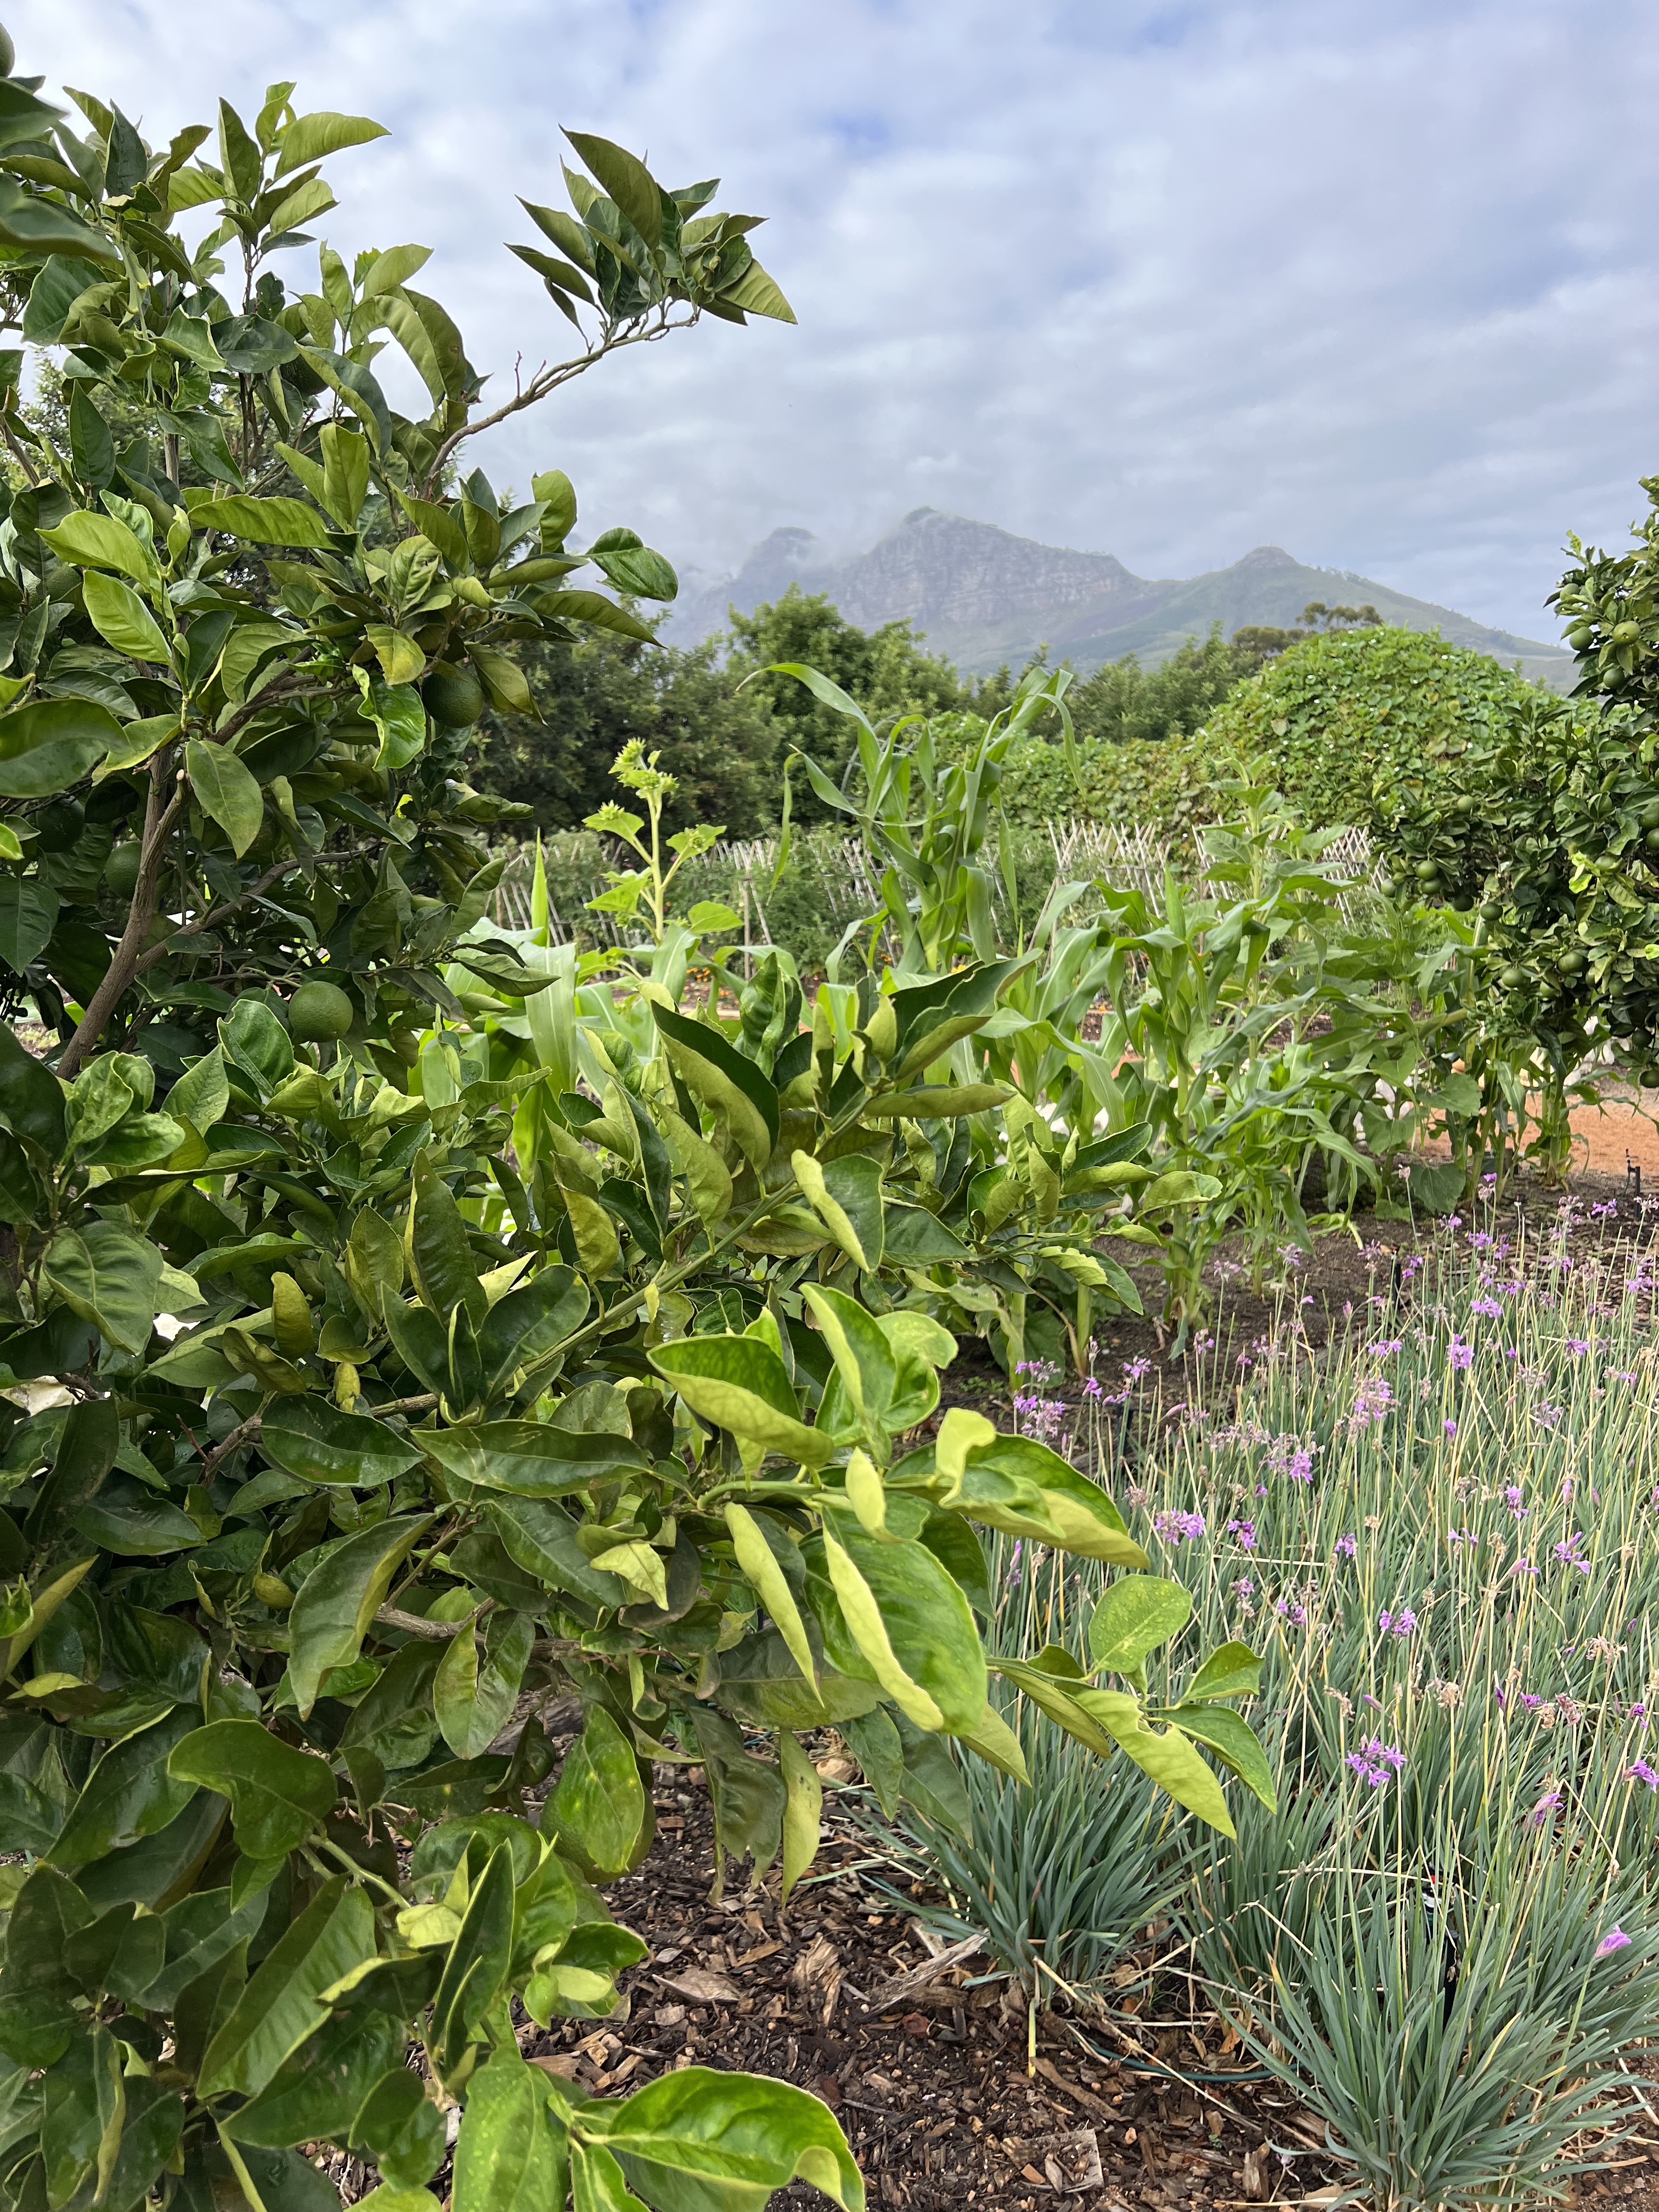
(981,596)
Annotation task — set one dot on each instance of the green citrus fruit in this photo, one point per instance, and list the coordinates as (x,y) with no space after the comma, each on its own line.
(60,823)
(452,697)
(317,1013)
(121,869)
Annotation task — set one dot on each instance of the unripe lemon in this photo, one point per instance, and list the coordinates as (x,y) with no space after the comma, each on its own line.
(60,823)
(452,697)
(121,869)
(319,1013)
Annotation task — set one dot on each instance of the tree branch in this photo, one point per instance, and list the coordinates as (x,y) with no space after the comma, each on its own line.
(159,815)
(546,381)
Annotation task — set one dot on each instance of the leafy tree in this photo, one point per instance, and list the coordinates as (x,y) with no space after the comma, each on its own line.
(403,1383)
(887,669)
(600,694)
(1259,641)
(1121,701)
(1341,718)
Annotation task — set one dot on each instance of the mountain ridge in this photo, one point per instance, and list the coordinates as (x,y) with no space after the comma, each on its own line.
(981,596)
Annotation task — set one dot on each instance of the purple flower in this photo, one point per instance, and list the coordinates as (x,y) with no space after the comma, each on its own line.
(1173,1527)
(1371,1401)
(1463,1354)
(1373,1760)
(1345,1547)
(1614,1940)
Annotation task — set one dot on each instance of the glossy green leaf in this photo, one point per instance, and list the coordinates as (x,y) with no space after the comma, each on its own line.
(51,743)
(1167,1755)
(121,618)
(1232,1670)
(110,1277)
(127,1795)
(441,1257)
(1134,1616)
(863,1355)
(278,1794)
(511,2155)
(716,1073)
(263,522)
(600,1810)
(227,792)
(314,1439)
(473,1692)
(400,2128)
(741,1385)
(310,138)
(283,2002)
(696,2139)
(627,181)
(476,1969)
(31,1097)
(88,540)
(530,1322)
(1234,1743)
(318,2092)
(531,1458)
(337,1602)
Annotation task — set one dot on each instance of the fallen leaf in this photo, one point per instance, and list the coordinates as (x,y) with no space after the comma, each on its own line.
(701,1986)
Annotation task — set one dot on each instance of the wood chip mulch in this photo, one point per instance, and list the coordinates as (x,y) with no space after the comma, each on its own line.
(937,2093)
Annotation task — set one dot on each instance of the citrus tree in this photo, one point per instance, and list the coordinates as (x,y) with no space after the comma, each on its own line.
(372,1387)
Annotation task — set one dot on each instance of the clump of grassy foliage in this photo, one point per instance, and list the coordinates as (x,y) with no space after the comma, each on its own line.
(1442,1536)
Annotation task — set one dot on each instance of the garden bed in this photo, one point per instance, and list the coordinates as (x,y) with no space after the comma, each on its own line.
(943,2099)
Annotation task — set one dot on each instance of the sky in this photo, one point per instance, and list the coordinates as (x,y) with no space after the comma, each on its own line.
(1167,281)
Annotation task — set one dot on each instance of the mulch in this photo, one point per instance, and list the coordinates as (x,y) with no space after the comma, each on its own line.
(943,2098)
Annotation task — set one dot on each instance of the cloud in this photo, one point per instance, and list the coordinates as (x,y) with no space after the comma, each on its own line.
(1166,281)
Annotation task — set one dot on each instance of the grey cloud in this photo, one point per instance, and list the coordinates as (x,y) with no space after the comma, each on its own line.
(1167,282)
